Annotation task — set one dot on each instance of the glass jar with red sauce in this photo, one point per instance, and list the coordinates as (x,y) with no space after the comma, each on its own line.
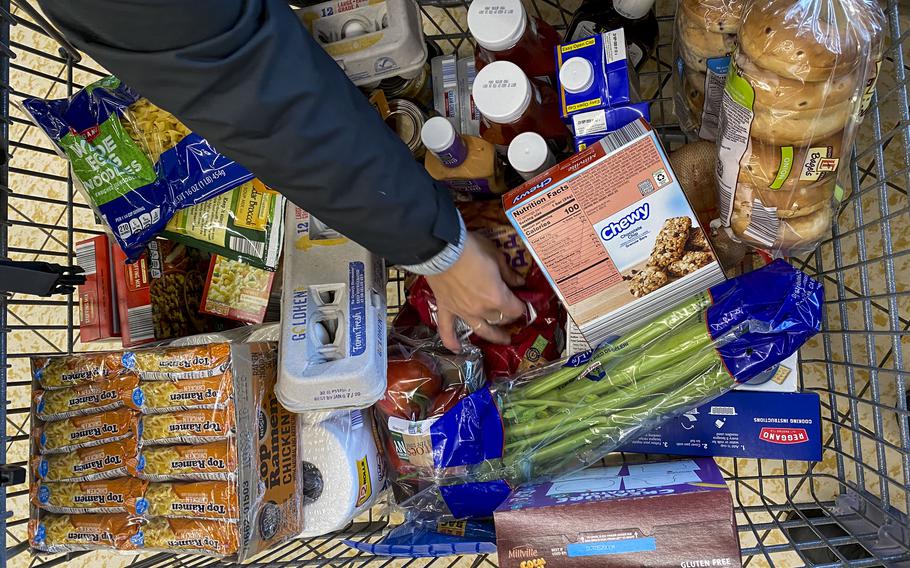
(510,104)
(504,32)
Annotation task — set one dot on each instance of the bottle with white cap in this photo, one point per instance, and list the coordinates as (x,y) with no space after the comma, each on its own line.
(510,104)
(466,164)
(637,17)
(530,155)
(504,32)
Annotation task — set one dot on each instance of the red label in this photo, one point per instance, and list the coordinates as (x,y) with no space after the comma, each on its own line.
(88,134)
(784,435)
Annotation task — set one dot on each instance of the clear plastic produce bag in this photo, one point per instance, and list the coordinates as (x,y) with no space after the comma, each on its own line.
(556,419)
(799,82)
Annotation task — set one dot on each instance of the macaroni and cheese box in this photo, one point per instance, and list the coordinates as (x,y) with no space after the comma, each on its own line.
(660,514)
(98,315)
(614,233)
(742,424)
(236,290)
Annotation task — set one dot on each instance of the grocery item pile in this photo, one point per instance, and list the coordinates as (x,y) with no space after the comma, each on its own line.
(262,390)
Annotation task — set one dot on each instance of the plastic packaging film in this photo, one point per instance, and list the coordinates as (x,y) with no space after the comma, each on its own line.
(800,80)
(135,163)
(343,472)
(565,416)
(704,35)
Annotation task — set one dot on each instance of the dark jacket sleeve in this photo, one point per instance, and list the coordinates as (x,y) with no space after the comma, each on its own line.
(247,76)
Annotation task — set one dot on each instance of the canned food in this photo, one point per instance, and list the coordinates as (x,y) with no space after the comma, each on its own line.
(406,119)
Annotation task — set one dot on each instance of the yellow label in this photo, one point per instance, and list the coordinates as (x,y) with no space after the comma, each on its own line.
(453,528)
(365,488)
(206,221)
(254,203)
(577,45)
(354,46)
(584,105)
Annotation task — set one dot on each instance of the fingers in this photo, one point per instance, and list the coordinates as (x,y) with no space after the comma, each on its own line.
(445,321)
(511,307)
(491,333)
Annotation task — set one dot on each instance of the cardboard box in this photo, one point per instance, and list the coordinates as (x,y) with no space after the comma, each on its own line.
(610,119)
(268,479)
(742,424)
(602,60)
(98,313)
(677,513)
(783,377)
(611,228)
(159,295)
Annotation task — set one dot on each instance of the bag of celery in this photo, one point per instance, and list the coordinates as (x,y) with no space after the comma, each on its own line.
(562,417)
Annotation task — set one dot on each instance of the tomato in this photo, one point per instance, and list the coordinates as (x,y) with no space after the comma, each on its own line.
(446,400)
(411,385)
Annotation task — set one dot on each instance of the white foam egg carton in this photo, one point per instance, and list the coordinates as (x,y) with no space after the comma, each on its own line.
(370,40)
(333,319)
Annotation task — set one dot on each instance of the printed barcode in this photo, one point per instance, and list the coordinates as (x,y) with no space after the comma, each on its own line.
(356,419)
(619,138)
(85,257)
(763,225)
(246,247)
(449,73)
(724,197)
(140,324)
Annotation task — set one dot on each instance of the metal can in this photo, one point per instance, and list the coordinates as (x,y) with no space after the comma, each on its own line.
(406,119)
(416,87)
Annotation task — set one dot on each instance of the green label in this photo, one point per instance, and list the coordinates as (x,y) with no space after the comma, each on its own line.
(838,192)
(738,88)
(107,161)
(786,166)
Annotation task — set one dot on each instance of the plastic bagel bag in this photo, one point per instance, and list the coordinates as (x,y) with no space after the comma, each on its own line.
(800,80)
(704,35)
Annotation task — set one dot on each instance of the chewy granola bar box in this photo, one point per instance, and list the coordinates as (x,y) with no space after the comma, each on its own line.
(614,233)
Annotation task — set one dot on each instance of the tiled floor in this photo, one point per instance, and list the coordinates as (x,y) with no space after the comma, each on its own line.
(856,373)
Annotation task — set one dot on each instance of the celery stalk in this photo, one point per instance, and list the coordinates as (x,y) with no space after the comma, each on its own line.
(629,343)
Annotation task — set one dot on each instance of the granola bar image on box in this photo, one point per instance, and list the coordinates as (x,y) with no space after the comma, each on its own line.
(671,242)
(647,280)
(689,263)
(697,240)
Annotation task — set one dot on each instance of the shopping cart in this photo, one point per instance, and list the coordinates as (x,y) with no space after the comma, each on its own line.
(848,510)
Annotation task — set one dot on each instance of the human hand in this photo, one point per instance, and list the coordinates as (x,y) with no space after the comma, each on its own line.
(476,289)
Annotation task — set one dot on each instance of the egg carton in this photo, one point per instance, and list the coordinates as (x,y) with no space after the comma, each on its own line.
(333,319)
(371,41)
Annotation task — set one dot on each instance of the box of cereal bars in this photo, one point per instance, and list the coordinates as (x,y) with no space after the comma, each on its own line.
(614,233)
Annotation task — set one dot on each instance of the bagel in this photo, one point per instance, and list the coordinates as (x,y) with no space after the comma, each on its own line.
(715,16)
(793,235)
(703,43)
(762,162)
(790,204)
(798,128)
(805,41)
(694,91)
(775,92)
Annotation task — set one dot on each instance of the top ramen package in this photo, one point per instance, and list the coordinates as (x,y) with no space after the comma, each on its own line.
(137,164)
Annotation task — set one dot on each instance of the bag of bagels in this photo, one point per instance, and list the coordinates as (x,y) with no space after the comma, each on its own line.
(800,79)
(704,36)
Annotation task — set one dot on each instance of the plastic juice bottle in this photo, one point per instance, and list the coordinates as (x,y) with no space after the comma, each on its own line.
(636,17)
(466,164)
(510,104)
(530,155)
(504,32)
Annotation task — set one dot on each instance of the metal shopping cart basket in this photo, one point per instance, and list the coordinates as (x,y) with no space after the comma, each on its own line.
(848,510)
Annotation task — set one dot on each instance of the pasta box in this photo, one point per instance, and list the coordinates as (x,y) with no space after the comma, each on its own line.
(159,295)
(742,424)
(660,514)
(98,315)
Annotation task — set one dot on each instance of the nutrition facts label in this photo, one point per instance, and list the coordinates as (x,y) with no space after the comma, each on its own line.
(550,221)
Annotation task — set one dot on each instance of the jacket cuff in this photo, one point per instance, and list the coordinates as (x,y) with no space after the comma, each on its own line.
(444,259)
